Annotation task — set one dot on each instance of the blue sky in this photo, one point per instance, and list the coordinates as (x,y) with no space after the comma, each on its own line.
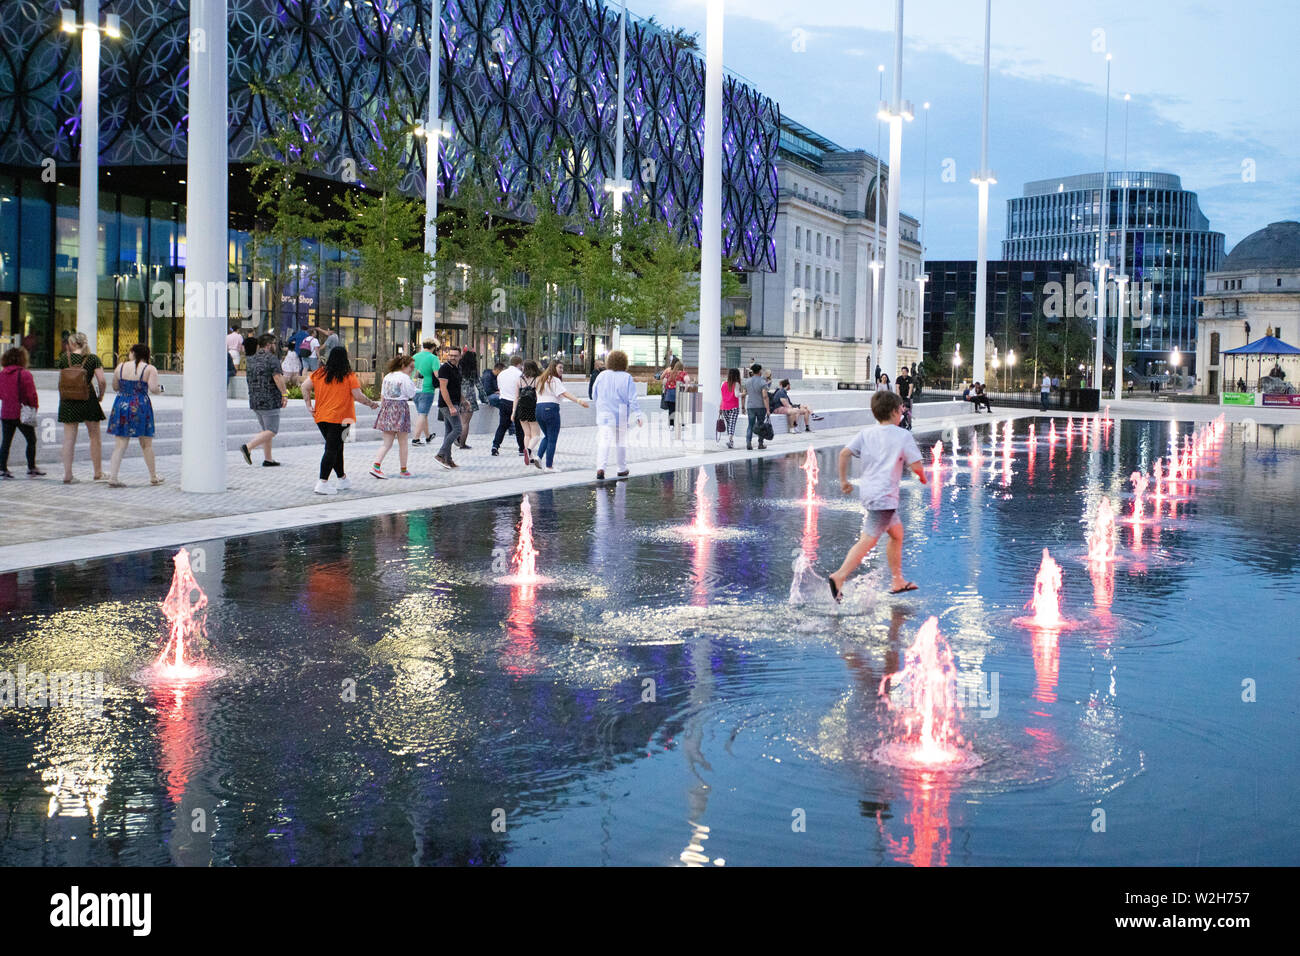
(1215,94)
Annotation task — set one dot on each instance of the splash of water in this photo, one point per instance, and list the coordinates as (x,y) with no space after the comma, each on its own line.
(180,658)
(1046,602)
(702,525)
(525,558)
(810,471)
(937,457)
(927,736)
(1051,433)
(1139,489)
(1101,539)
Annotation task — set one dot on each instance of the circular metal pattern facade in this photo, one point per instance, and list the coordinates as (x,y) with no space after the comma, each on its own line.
(528,88)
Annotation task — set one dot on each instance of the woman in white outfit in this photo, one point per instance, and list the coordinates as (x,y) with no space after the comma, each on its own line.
(614,393)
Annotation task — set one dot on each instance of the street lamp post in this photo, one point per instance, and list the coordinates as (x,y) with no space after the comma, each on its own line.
(619,185)
(875,250)
(710,342)
(1122,276)
(1103,255)
(433,132)
(88,208)
(923,276)
(898,111)
(956,362)
(983,179)
(1011,364)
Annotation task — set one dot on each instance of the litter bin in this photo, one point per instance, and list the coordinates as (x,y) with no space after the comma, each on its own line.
(1089,399)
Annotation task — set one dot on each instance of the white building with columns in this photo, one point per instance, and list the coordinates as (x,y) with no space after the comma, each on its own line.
(816,313)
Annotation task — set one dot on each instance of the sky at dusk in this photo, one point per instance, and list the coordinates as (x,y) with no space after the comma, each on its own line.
(1215,91)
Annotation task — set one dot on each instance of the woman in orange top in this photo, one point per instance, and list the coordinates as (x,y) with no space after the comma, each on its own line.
(335,388)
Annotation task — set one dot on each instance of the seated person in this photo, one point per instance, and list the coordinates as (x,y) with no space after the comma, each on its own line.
(980,397)
(781,405)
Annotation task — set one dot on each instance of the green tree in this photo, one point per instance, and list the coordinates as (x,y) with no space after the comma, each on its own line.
(385,228)
(472,258)
(542,270)
(666,274)
(287,221)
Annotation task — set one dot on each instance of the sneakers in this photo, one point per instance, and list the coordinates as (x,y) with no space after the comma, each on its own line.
(731,443)
(452,463)
(248,459)
(464,446)
(496,451)
(323,488)
(761,446)
(538,462)
(417,441)
(270,464)
(35,473)
(6,473)
(445,462)
(405,474)
(376,471)
(345,484)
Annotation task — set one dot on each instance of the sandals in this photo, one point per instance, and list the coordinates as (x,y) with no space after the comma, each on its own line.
(157,481)
(114,483)
(909,586)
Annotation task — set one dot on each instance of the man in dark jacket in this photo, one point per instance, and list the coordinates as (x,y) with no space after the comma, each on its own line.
(591,379)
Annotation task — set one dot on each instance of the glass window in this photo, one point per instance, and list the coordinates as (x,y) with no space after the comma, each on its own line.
(34,261)
(8,234)
(798,232)
(66,243)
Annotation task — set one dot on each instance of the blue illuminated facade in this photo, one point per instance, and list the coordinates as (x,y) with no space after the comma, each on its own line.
(523,81)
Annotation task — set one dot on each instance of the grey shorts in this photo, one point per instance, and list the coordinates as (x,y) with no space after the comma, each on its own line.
(876,523)
(268,419)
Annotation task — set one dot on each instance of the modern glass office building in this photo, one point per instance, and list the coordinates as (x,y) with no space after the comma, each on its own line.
(528,96)
(1168,246)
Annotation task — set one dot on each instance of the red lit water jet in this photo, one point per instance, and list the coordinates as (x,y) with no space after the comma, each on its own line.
(702,526)
(1046,601)
(524,559)
(927,734)
(1051,433)
(1101,555)
(1138,514)
(810,471)
(181,661)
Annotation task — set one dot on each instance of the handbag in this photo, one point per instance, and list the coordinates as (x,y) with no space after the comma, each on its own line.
(765,431)
(27,415)
(721,425)
(74,383)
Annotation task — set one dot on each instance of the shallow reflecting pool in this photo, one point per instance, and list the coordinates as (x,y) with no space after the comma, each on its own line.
(670,698)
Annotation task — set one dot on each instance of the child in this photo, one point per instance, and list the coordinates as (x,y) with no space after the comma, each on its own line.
(394,418)
(524,413)
(883,450)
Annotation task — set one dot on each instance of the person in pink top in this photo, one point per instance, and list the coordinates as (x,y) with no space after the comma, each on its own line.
(730,407)
(18,404)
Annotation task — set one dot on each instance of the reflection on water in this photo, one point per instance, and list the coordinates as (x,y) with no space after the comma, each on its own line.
(671,700)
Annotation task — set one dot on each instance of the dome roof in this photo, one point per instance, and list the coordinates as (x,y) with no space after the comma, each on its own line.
(1276,246)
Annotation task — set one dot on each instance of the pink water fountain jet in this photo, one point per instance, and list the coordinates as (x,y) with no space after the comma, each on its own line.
(1051,433)
(524,559)
(1046,600)
(1140,482)
(926,733)
(185,607)
(702,525)
(810,471)
(1101,539)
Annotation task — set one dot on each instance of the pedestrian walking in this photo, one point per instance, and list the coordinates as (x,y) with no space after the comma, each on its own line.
(132,415)
(757,406)
(671,377)
(450,395)
(469,402)
(331,394)
(18,407)
(79,401)
(550,389)
(732,391)
(235,346)
(268,393)
(291,367)
(524,413)
(394,418)
(1044,392)
(508,394)
(426,368)
(613,391)
(329,341)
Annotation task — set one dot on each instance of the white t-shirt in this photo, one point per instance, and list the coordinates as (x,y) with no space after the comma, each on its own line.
(398,387)
(883,450)
(550,395)
(508,383)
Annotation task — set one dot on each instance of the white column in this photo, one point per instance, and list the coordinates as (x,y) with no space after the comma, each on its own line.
(432,146)
(876,261)
(1103,256)
(710,350)
(203,423)
(982,245)
(88,211)
(889,313)
(619,185)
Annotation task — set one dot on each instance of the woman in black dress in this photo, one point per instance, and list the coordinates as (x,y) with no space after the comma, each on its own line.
(73,411)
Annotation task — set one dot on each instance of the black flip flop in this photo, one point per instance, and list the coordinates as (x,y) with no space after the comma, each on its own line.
(909,586)
(835,590)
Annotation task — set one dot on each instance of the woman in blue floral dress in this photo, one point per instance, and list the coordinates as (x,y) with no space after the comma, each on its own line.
(132,415)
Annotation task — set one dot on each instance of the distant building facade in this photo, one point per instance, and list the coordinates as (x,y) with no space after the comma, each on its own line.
(1169,248)
(1255,289)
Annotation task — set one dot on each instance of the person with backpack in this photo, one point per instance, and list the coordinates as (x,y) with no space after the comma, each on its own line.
(81,389)
(18,405)
(550,389)
(308,351)
(524,411)
(132,415)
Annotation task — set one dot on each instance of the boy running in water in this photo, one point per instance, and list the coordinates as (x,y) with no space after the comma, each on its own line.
(884,449)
